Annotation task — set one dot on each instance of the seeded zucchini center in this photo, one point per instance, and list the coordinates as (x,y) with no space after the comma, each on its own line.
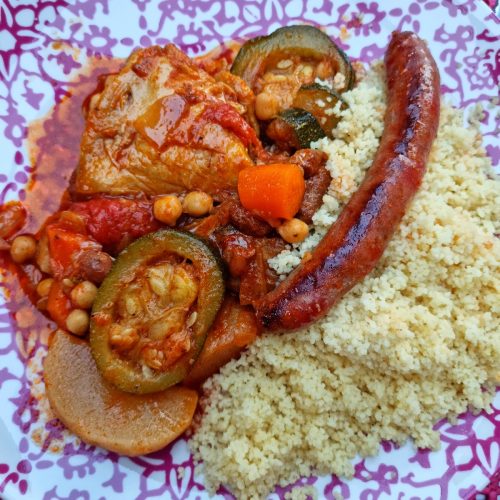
(154,314)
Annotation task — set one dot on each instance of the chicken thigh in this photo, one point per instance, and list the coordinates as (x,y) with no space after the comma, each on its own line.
(162,125)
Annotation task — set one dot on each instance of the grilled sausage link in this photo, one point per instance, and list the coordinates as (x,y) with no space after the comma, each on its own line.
(355,242)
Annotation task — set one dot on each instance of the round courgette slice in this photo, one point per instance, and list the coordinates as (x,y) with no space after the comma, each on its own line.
(153,311)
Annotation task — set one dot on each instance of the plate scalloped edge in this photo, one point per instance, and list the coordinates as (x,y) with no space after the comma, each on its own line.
(35,75)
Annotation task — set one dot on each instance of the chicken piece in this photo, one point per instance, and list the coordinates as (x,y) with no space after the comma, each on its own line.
(162,125)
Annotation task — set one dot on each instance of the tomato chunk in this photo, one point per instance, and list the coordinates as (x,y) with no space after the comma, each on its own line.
(115,222)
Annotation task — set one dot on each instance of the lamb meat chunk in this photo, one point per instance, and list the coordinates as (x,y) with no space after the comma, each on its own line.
(259,279)
(316,187)
(318,180)
(311,161)
(242,218)
(162,125)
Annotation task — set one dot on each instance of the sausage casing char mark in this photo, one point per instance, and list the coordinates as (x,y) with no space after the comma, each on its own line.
(355,242)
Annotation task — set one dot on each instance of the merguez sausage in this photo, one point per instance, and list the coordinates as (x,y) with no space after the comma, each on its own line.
(355,242)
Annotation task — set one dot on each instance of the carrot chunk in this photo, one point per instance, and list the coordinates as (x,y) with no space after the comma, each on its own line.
(272,191)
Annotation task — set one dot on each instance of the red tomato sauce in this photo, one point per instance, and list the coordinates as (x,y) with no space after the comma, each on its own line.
(54,145)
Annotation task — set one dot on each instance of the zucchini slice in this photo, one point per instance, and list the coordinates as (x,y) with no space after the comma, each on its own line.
(319,101)
(264,53)
(294,129)
(153,311)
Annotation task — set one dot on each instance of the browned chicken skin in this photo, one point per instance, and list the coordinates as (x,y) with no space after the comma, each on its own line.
(162,125)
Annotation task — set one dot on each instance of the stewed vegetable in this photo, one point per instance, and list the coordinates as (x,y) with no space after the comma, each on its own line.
(296,73)
(320,102)
(312,116)
(305,49)
(153,311)
(294,128)
(272,191)
(102,415)
(234,329)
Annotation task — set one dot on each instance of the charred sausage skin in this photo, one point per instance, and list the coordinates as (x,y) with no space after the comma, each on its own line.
(355,242)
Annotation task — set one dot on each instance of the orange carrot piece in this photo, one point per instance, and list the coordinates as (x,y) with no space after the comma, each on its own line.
(58,304)
(272,191)
(234,329)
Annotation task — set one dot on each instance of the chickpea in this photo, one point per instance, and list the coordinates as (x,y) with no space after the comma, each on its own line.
(42,256)
(293,231)
(167,209)
(266,106)
(77,322)
(95,265)
(43,287)
(197,203)
(23,248)
(83,295)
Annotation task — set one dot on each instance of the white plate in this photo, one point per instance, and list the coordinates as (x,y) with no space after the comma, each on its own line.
(463,38)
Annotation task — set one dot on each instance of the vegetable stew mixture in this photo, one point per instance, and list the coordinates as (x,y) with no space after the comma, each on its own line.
(194,175)
(159,252)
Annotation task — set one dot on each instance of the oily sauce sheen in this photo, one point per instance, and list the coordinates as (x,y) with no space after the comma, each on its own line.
(52,163)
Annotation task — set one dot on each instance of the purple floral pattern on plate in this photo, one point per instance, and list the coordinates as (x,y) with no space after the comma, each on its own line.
(39,459)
